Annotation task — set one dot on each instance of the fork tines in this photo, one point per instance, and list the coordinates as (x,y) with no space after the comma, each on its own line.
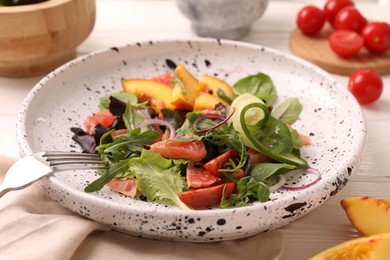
(56,158)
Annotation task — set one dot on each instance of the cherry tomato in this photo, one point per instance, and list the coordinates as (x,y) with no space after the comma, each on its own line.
(376,37)
(310,19)
(206,197)
(365,85)
(198,177)
(349,18)
(345,43)
(193,150)
(332,7)
(217,163)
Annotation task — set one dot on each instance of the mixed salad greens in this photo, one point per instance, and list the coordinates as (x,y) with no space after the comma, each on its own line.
(195,143)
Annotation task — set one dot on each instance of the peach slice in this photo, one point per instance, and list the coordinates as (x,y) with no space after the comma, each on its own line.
(206,101)
(371,247)
(186,90)
(208,83)
(157,93)
(368,215)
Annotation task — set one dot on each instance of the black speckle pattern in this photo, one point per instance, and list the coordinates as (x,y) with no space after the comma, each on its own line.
(172,65)
(331,117)
(221,222)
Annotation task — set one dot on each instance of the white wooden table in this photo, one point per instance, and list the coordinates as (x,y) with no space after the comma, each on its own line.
(122,21)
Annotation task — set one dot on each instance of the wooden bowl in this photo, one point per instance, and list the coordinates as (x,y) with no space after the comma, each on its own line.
(37,38)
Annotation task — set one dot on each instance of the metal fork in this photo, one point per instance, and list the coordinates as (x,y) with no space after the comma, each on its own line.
(33,167)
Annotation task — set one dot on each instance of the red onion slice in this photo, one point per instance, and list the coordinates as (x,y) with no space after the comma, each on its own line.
(311,171)
(172,130)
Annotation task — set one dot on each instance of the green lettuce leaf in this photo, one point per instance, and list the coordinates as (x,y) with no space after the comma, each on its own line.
(158,178)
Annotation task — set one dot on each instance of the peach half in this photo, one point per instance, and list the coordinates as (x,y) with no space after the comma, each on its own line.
(368,215)
(371,247)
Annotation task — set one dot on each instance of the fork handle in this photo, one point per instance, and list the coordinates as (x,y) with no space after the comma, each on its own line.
(23,173)
(5,190)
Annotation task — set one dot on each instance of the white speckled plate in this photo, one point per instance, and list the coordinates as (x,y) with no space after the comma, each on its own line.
(66,96)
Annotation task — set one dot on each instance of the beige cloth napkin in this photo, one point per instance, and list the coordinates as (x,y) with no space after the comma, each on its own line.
(32,226)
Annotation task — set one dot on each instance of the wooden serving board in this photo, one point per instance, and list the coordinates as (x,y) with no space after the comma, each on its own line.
(316,50)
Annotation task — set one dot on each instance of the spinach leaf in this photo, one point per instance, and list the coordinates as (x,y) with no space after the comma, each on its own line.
(262,171)
(296,139)
(288,112)
(259,85)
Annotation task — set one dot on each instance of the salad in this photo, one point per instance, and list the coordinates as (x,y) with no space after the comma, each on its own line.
(196,143)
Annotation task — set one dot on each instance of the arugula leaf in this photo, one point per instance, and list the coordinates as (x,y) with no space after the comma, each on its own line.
(118,153)
(110,174)
(131,117)
(288,112)
(187,128)
(221,94)
(179,82)
(158,178)
(248,189)
(255,186)
(123,146)
(259,85)
(226,138)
